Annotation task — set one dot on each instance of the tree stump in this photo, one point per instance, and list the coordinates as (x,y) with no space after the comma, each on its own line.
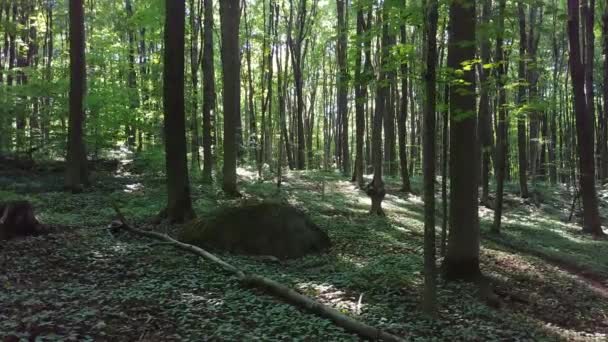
(18,219)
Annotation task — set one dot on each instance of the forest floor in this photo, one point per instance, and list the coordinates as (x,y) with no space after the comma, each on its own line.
(83,283)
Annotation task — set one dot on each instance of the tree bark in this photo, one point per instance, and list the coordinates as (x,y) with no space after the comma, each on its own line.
(360,98)
(604,122)
(430,78)
(402,121)
(76,167)
(208,92)
(375,189)
(341,52)
(484,115)
(521,98)
(462,258)
(231,64)
(584,125)
(179,204)
(501,151)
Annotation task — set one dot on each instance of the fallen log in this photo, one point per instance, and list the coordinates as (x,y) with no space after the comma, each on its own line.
(348,323)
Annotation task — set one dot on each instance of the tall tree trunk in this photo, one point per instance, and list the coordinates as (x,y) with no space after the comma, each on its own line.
(179,204)
(131,77)
(604,122)
(208,92)
(584,125)
(484,116)
(402,121)
(360,98)
(295,44)
(196,8)
(376,190)
(253,144)
(462,258)
(231,64)
(430,78)
(501,151)
(76,167)
(521,98)
(341,52)
(390,154)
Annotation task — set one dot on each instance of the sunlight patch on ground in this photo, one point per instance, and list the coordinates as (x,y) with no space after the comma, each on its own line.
(192,298)
(329,294)
(573,335)
(130,188)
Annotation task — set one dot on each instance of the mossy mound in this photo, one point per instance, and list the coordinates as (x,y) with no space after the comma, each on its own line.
(263,229)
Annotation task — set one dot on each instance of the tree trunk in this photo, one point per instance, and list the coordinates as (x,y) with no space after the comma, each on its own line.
(360,98)
(462,258)
(76,167)
(179,205)
(501,151)
(231,63)
(430,78)
(376,190)
(484,115)
(195,62)
(341,52)
(584,126)
(604,123)
(295,44)
(402,122)
(131,77)
(521,98)
(208,92)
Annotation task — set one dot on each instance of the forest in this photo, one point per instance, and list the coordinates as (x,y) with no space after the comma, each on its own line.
(303,170)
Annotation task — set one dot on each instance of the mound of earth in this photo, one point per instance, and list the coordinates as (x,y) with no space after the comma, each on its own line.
(263,229)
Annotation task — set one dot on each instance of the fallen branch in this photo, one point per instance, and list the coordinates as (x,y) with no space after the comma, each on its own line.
(271,287)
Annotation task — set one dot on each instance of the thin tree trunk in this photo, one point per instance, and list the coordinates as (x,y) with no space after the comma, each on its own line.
(430,78)
(521,98)
(208,92)
(501,151)
(402,121)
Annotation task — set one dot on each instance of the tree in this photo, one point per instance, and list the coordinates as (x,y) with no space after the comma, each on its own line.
(231,65)
(584,123)
(342,9)
(195,62)
(603,139)
(402,120)
(462,258)
(298,55)
(375,189)
(208,92)
(76,161)
(501,151)
(430,80)
(131,76)
(360,96)
(179,204)
(521,95)
(485,116)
